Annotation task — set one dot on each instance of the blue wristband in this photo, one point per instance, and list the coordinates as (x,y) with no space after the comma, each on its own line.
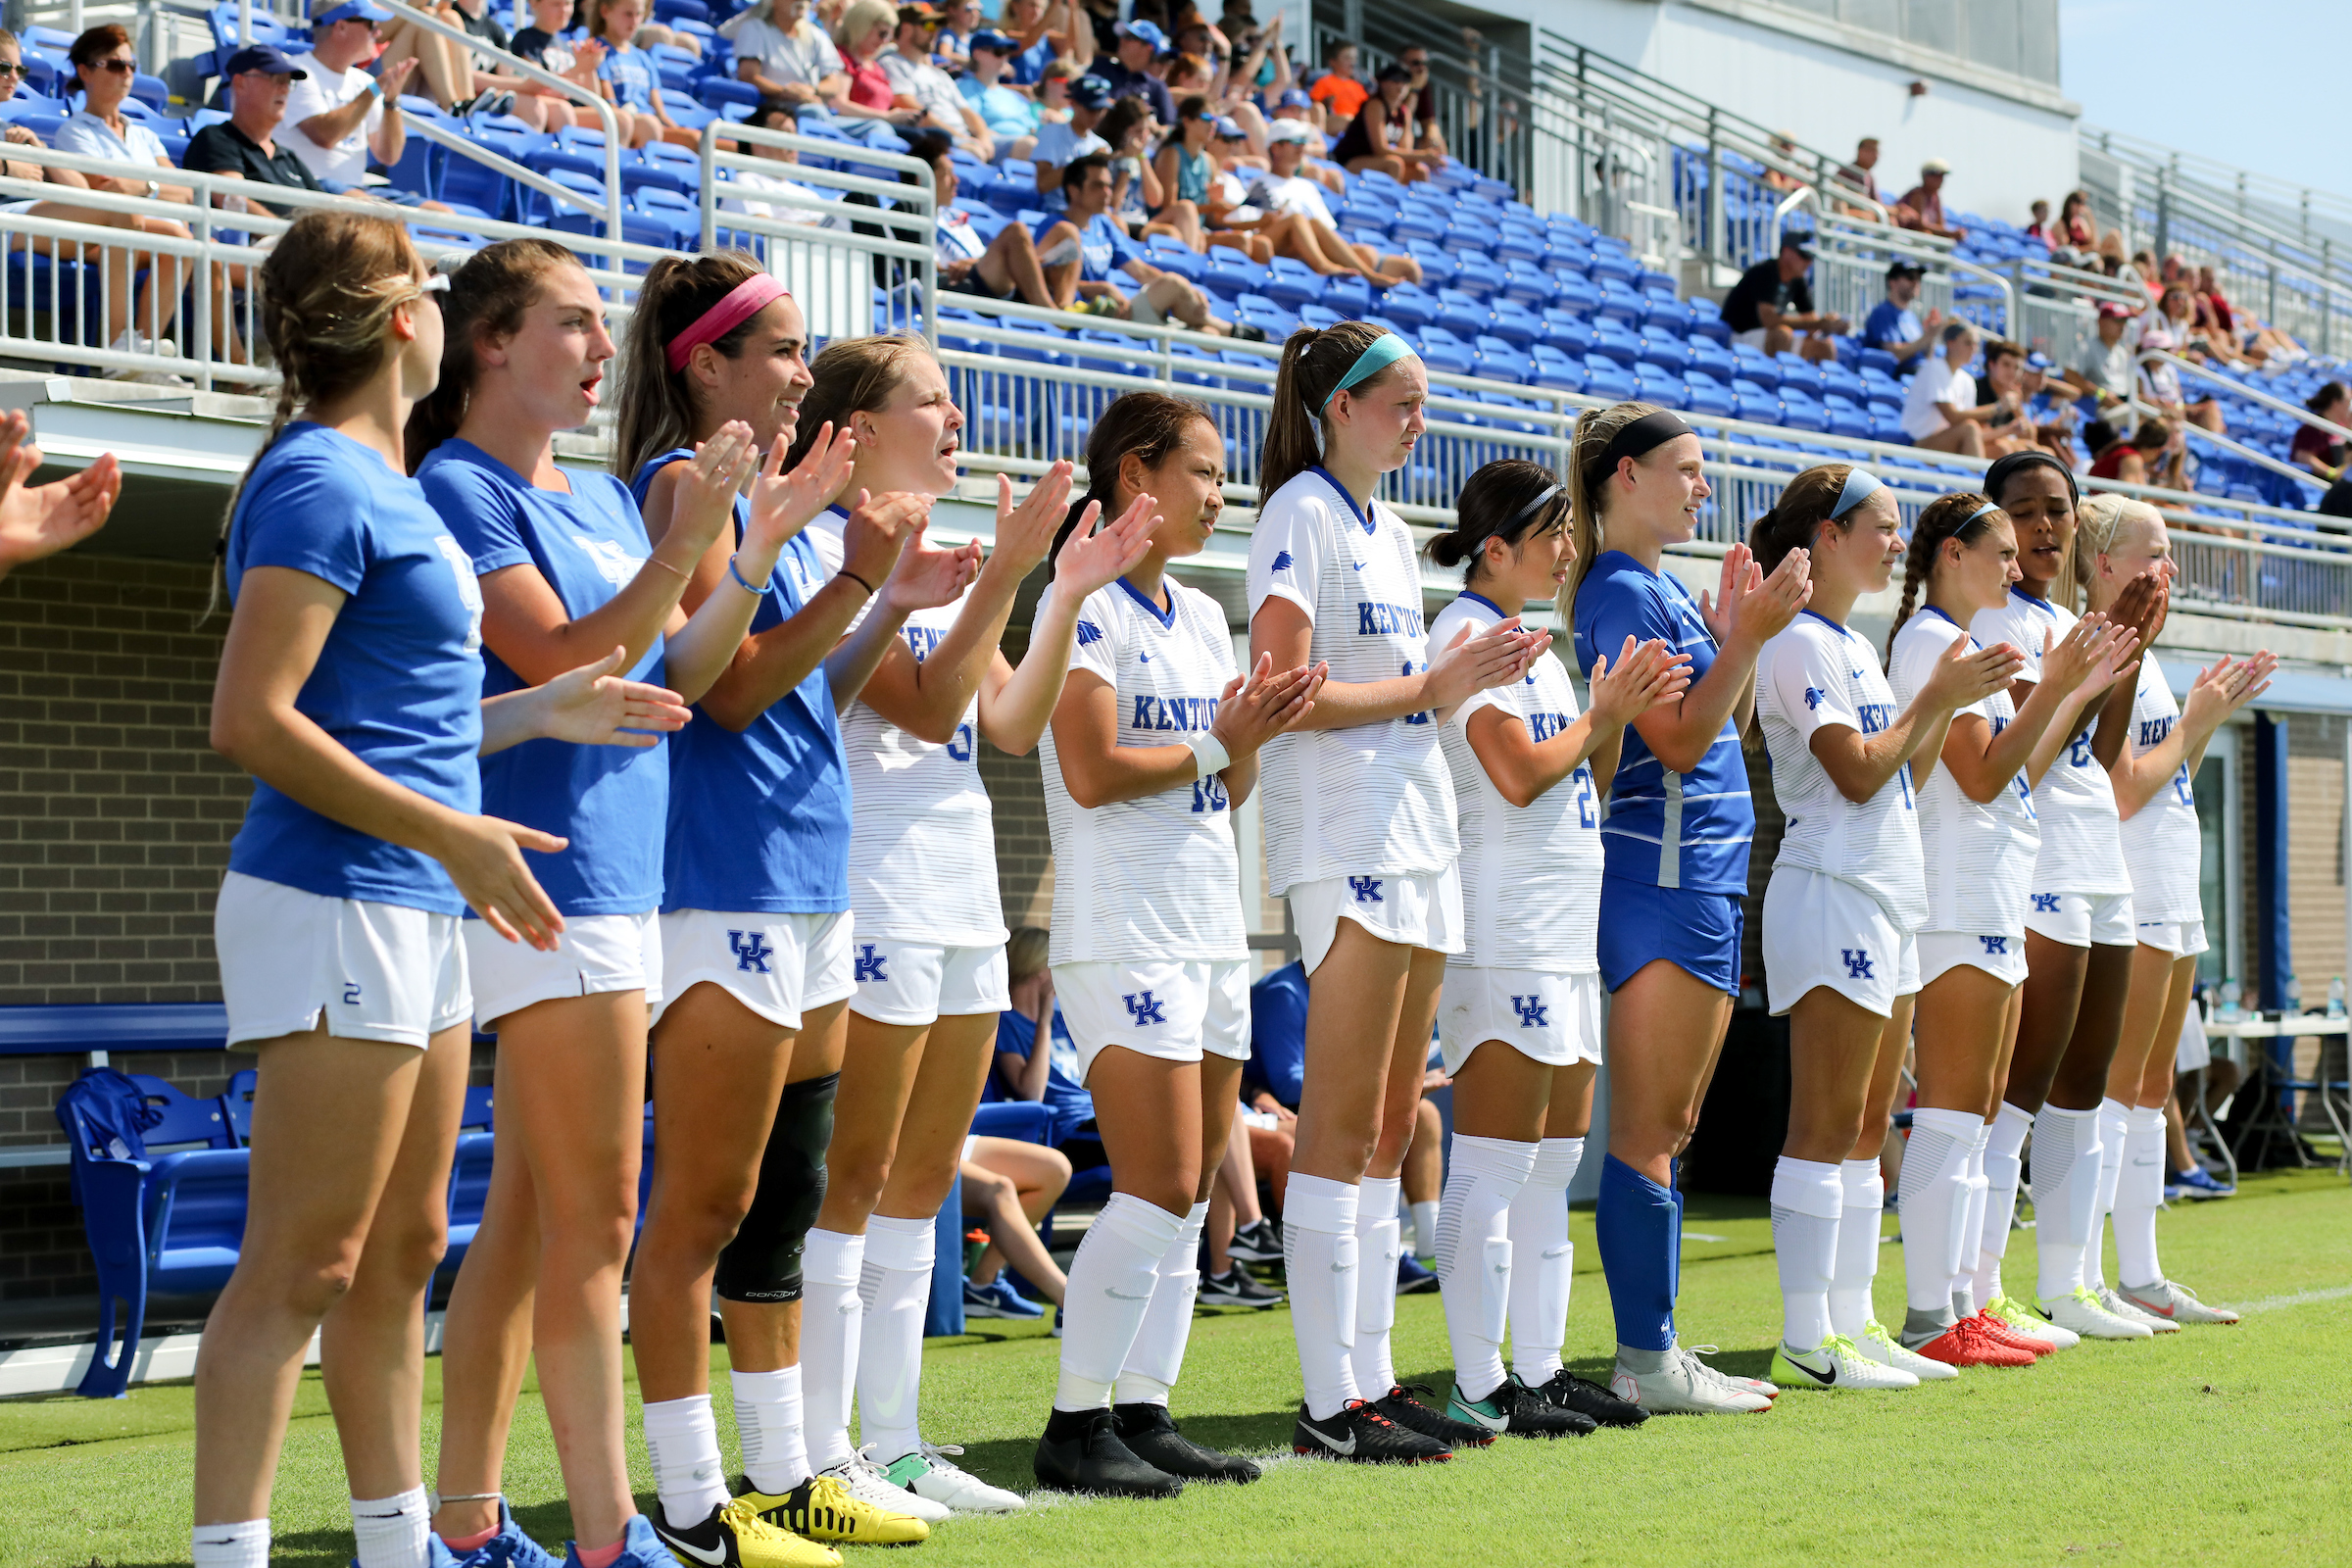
(747,587)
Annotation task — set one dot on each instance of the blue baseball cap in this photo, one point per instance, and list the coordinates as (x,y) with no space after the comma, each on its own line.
(1295,98)
(351,11)
(1231,128)
(265,58)
(1002,42)
(1090,92)
(1143,33)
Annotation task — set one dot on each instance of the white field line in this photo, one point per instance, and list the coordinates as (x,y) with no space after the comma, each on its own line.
(2272,1303)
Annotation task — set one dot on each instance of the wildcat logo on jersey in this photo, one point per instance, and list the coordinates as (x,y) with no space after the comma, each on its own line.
(470,587)
(1282,561)
(1089,632)
(923,639)
(1374,620)
(751,950)
(1995,946)
(1875,717)
(1533,1013)
(1365,887)
(1145,1009)
(1542,728)
(869,961)
(1173,712)
(2045,904)
(1857,964)
(1814,695)
(613,564)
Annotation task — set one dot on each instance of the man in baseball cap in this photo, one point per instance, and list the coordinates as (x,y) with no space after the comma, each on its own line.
(1061,143)
(1922,205)
(1009,114)
(1133,45)
(1892,325)
(260,77)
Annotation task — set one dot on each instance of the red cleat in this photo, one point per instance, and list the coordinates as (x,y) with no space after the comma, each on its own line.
(1966,1344)
(2000,1333)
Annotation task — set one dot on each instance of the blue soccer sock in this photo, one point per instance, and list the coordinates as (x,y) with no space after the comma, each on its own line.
(1638,1226)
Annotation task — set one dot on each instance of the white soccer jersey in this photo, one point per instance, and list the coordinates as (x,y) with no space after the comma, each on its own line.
(2081,850)
(1530,878)
(1376,796)
(922,839)
(1818,674)
(1979,859)
(1157,877)
(2162,845)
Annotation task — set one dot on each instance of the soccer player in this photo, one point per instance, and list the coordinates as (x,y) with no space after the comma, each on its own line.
(1519,1017)
(2117,541)
(928,959)
(1847,892)
(1360,838)
(1978,837)
(351,687)
(1154,743)
(2079,924)
(1673,861)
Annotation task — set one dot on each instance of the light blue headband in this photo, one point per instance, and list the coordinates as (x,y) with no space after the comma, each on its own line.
(1987,507)
(1379,354)
(1860,485)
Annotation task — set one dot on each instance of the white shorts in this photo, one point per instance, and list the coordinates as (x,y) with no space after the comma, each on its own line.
(2182,939)
(1178,1010)
(2003,956)
(921,982)
(374,971)
(1754,337)
(1821,930)
(1420,911)
(2082,919)
(596,953)
(1547,1017)
(778,965)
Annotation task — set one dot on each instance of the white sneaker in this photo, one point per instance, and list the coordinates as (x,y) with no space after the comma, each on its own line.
(1836,1364)
(2113,1301)
(926,1474)
(1684,1385)
(131,342)
(2082,1313)
(2020,1318)
(2176,1304)
(866,1479)
(1749,1385)
(1886,1350)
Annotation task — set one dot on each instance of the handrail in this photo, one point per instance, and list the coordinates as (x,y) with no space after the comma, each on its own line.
(2280,405)
(1947,260)
(2249,182)
(442,135)
(2236,448)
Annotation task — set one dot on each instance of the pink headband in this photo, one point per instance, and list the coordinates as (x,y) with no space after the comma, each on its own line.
(745,300)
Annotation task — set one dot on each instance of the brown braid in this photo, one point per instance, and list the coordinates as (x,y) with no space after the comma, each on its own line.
(1952,517)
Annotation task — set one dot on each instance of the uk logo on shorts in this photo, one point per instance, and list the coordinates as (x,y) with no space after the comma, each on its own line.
(1533,1013)
(869,961)
(2045,904)
(1995,946)
(752,949)
(1366,889)
(1857,964)
(1144,1008)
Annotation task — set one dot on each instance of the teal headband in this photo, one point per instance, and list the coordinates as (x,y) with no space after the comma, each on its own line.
(1860,486)
(1381,353)
(1987,508)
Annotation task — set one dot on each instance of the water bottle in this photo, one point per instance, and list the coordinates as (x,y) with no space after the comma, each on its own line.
(2295,996)
(2230,1011)
(2335,996)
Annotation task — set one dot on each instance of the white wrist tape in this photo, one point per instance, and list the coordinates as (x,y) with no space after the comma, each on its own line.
(1209,754)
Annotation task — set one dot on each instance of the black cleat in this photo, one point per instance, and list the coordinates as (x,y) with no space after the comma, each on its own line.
(1236,1288)
(1519,1411)
(1260,1243)
(1400,1406)
(1590,1400)
(1150,1435)
(1080,1451)
(1361,1433)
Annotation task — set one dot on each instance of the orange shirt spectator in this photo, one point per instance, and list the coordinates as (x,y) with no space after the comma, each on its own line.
(1337,90)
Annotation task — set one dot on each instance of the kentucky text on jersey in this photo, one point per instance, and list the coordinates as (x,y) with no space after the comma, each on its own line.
(1388,620)
(1173,712)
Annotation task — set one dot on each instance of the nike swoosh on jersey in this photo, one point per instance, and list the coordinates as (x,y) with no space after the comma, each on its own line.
(1331,1442)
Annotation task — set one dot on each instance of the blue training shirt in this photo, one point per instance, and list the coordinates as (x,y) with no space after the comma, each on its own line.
(1278,1032)
(1072,1106)
(588,544)
(1102,247)
(1671,830)
(759,817)
(399,680)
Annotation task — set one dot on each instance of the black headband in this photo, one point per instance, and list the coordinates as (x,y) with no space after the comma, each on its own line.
(1645,434)
(2007,467)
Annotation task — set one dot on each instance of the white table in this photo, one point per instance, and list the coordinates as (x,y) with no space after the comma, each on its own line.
(2237,1031)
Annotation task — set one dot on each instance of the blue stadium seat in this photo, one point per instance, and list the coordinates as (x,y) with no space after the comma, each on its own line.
(1572,335)
(1713,358)
(1798,372)
(1706,319)
(1611,340)
(1667,353)
(1755,404)
(1709,396)
(1528,283)
(1800,409)
(1846,418)
(1757,365)
(1460,315)
(1604,377)
(1499,359)
(1516,322)
(1654,385)
(1575,292)
(1293,283)
(1347,296)
(1480,274)
(1410,305)
(1439,349)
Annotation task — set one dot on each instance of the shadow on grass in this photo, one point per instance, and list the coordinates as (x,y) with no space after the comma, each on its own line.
(1006,1461)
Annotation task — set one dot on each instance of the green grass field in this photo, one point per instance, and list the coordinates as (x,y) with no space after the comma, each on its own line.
(2213,1446)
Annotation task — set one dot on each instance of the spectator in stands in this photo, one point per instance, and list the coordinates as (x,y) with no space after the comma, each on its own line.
(1940,413)
(1227,213)
(1860,173)
(576,62)
(2106,371)
(1310,234)
(1783,151)
(1009,1186)
(952,49)
(2106,444)
(1922,205)
(785,54)
(1009,114)
(1772,304)
(2315,449)
(2041,228)
(1081,249)
(2145,273)
(912,75)
(2157,454)
(1128,68)
(2049,406)
(2003,390)
(1338,94)
(1043,32)
(1052,1081)
(991,269)
(1894,325)
(749,191)
(442,65)
(2160,384)
(1187,171)
(628,74)
(1239,1225)
(2177,313)
(261,78)
(1059,144)
(2075,238)
(338,115)
(1135,193)
(864,35)
(1380,135)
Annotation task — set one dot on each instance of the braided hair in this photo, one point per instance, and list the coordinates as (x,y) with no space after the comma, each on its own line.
(1959,516)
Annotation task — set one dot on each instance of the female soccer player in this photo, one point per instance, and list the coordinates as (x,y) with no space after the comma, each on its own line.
(1154,743)
(351,687)
(755,926)
(1519,1017)
(929,956)
(564,566)
(1360,838)
(1847,892)
(1673,861)
(2079,925)
(2117,541)
(1978,837)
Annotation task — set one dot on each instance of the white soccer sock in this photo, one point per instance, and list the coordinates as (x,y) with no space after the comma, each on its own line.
(895,1286)
(2004,1170)
(1156,1358)
(2137,1196)
(1808,1197)
(832,1325)
(1543,1261)
(767,1424)
(1379,1238)
(391,1531)
(1112,1282)
(681,1438)
(1425,1231)
(2115,1124)
(1319,1257)
(239,1546)
(1857,1265)
(1474,1259)
(1972,1228)
(2066,1196)
(1934,1196)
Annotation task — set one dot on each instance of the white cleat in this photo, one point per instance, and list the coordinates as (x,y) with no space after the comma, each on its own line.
(2020,1318)
(926,1474)
(866,1479)
(1752,1385)
(2082,1313)
(1882,1348)
(1836,1364)
(2113,1301)
(2176,1304)
(1684,1385)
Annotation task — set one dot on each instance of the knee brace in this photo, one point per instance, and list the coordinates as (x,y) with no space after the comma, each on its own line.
(763,1264)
